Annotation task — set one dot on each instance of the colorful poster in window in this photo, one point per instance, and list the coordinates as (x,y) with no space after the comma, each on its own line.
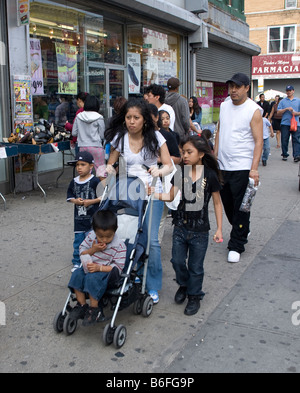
(37,83)
(134,72)
(22,101)
(66,56)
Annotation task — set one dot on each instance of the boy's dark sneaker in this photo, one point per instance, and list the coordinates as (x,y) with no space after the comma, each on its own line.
(284,158)
(193,305)
(180,295)
(93,315)
(79,311)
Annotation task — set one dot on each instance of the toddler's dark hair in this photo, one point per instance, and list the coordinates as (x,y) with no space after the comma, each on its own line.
(105,220)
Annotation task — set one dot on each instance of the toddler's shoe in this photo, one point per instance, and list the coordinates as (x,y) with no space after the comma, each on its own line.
(154,295)
(92,316)
(79,311)
(233,256)
(74,268)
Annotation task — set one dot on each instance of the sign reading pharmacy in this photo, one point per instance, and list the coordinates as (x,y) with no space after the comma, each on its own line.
(276,66)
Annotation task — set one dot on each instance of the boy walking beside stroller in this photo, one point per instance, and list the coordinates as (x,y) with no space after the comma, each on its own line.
(103,257)
(82,193)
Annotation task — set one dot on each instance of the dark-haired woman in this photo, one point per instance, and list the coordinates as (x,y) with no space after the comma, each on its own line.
(133,136)
(89,128)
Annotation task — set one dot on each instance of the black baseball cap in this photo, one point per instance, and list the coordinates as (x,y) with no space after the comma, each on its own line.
(240,79)
(84,156)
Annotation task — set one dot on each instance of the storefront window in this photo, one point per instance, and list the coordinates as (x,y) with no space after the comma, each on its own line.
(66,47)
(153,57)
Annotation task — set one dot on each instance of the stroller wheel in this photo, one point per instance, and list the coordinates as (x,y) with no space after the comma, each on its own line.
(70,325)
(138,307)
(108,334)
(58,322)
(147,307)
(120,336)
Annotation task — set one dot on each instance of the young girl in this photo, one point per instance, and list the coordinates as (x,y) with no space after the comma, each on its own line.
(165,120)
(198,180)
(133,136)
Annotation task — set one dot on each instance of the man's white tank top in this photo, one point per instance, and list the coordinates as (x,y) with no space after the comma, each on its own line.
(236,143)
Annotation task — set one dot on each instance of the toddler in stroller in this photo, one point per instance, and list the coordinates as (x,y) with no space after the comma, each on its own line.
(126,198)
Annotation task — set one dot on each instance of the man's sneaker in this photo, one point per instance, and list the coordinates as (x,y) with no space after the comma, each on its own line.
(297,159)
(193,305)
(93,315)
(180,295)
(79,311)
(284,158)
(233,256)
(154,295)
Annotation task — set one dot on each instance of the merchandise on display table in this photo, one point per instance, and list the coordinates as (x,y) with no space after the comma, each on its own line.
(19,149)
(42,133)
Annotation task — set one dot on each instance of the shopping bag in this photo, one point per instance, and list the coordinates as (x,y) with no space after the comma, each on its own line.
(294,124)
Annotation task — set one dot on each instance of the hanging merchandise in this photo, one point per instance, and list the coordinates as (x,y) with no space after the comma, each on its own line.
(22,103)
(66,56)
(37,84)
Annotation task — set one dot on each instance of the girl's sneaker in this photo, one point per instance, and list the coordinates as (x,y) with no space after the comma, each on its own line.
(79,311)
(154,295)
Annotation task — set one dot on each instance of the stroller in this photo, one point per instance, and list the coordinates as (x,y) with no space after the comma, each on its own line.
(127,198)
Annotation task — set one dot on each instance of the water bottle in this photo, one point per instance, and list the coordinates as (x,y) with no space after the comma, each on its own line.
(249,196)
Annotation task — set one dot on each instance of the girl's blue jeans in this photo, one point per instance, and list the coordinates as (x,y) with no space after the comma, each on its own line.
(189,273)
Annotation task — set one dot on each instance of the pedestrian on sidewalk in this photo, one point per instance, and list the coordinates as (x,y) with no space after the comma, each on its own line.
(275,118)
(103,257)
(82,193)
(288,107)
(198,180)
(180,106)
(267,133)
(238,147)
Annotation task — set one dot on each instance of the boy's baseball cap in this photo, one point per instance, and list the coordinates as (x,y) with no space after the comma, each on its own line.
(289,87)
(84,156)
(240,79)
(173,83)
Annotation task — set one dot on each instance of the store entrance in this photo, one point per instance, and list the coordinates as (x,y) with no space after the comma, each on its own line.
(107,83)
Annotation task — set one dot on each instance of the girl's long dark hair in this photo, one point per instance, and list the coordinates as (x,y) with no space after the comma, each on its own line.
(197,108)
(208,160)
(118,127)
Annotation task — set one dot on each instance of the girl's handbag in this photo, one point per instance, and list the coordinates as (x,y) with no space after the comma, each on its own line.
(294,124)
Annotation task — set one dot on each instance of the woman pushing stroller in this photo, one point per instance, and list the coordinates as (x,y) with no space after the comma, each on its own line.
(132,136)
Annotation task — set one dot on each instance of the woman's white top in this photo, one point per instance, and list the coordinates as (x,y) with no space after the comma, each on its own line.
(135,161)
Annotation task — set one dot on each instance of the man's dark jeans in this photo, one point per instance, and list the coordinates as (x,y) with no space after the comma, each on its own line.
(285,136)
(232,193)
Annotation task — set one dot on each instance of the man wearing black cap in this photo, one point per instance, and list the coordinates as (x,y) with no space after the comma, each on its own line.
(238,147)
(180,107)
(288,107)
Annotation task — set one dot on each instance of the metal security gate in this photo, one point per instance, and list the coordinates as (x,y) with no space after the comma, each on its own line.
(218,63)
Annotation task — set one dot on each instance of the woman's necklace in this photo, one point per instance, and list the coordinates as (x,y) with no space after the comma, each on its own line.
(135,144)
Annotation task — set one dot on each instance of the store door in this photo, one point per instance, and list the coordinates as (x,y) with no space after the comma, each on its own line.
(106,83)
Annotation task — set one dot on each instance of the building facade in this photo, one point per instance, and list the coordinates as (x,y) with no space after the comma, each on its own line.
(275,27)
(52,50)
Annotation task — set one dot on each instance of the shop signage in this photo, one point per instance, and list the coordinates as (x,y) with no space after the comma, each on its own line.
(283,65)
(134,72)
(37,84)
(23,12)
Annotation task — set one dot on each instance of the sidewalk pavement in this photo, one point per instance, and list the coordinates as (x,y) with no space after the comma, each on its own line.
(246,322)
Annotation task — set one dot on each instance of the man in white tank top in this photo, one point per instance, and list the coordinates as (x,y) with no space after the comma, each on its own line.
(238,147)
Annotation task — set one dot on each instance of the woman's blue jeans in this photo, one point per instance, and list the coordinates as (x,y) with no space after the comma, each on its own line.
(194,245)
(154,272)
